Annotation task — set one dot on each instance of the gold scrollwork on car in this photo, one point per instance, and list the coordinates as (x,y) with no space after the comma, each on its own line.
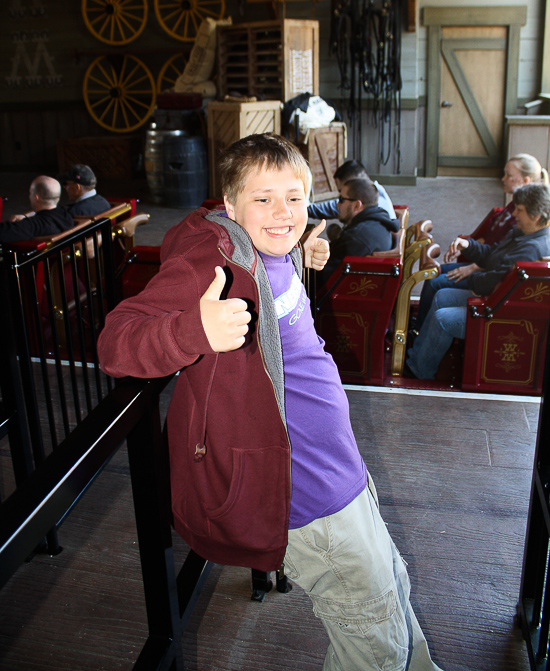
(537,293)
(362,287)
(343,342)
(509,352)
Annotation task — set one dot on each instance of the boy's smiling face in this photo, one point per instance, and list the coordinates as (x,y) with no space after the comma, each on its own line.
(272,209)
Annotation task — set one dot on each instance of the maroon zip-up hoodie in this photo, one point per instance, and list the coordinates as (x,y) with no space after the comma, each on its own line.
(229,446)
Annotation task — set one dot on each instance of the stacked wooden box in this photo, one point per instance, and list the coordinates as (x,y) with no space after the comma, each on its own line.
(276,60)
(325,149)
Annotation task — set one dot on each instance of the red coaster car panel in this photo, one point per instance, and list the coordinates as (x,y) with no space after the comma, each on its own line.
(353,313)
(506,333)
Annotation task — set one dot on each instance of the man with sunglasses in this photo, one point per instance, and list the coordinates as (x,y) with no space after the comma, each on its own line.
(351,169)
(366,227)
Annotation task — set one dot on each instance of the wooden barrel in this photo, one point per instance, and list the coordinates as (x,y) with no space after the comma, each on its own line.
(185,170)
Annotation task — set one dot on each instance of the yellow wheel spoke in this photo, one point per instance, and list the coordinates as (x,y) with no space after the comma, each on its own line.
(125,81)
(120,28)
(111,78)
(131,89)
(101,101)
(131,110)
(195,22)
(205,12)
(181,16)
(101,83)
(136,101)
(169,16)
(119,77)
(125,20)
(107,109)
(124,113)
(99,10)
(115,108)
(104,23)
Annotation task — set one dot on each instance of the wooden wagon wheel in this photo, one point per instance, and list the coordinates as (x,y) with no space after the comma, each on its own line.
(115,21)
(119,92)
(170,71)
(181,18)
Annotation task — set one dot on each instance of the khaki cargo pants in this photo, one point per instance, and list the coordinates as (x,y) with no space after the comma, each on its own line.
(359,587)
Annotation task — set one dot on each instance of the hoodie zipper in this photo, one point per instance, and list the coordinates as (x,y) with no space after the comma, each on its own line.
(260,344)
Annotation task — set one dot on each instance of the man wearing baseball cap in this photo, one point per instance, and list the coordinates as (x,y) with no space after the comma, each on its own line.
(80,182)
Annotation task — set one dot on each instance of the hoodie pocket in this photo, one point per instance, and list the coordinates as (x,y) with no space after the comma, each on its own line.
(255,510)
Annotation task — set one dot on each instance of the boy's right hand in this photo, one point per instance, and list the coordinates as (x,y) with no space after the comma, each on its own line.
(225,322)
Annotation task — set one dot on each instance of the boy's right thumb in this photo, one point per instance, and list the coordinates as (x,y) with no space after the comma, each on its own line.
(214,291)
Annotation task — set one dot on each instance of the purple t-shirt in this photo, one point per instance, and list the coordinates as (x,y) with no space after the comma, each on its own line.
(327,469)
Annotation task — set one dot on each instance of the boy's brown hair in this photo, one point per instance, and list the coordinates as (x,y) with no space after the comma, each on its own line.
(267,151)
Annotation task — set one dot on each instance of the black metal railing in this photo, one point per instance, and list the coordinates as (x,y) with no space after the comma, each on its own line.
(64,420)
(57,299)
(534,599)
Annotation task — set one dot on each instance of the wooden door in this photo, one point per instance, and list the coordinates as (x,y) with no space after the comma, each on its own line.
(473,61)
(472,100)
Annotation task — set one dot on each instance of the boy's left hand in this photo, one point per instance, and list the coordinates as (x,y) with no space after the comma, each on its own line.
(316,249)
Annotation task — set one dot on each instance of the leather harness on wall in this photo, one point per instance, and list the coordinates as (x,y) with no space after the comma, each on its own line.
(366,40)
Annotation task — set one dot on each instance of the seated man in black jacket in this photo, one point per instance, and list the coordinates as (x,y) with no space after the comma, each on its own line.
(366,227)
(80,182)
(46,218)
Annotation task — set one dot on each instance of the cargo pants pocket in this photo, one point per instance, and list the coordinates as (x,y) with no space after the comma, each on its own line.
(372,633)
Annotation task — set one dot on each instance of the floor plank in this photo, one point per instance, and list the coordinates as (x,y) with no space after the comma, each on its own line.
(453,478)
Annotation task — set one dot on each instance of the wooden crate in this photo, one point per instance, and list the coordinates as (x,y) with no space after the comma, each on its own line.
(325,149)
(230,121)
(273,59)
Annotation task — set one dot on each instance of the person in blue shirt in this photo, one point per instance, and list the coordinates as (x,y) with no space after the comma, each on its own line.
(349,170)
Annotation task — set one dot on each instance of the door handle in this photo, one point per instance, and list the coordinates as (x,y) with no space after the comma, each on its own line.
(446,103)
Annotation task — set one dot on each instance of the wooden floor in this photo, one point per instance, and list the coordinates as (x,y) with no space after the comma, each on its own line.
(453,475)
